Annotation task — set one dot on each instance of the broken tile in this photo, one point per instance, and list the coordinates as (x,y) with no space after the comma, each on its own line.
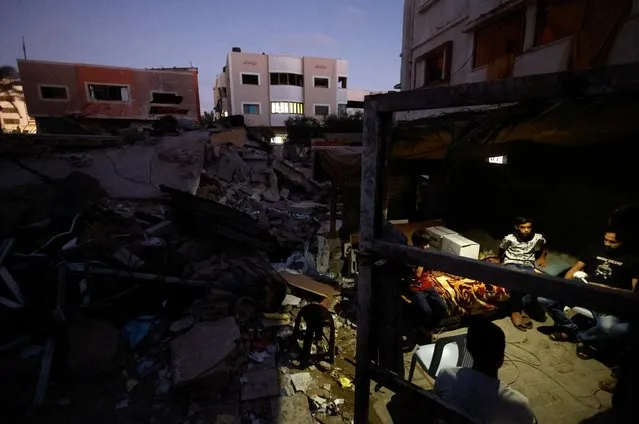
(302,381)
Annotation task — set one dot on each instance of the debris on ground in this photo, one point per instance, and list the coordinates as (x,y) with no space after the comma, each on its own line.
(168,289)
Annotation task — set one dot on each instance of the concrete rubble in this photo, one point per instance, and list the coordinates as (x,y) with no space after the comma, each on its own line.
(160,282)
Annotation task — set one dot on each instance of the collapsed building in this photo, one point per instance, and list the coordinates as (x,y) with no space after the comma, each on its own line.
(159,280)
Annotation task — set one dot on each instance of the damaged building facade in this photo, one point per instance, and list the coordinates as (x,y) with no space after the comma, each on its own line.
(55,90)
(456,42)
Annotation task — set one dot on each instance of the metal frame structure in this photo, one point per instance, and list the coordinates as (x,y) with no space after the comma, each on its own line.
(378,121)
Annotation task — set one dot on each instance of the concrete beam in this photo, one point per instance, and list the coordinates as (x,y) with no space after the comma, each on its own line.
(614,79)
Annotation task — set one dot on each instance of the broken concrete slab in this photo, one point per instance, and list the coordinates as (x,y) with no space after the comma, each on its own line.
(302,381)
(134,171)
(291,410)
(235,136)
(260,384)
(202,348)
(231,167)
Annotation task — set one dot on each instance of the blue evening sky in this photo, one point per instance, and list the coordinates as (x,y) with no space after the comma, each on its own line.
(166,33)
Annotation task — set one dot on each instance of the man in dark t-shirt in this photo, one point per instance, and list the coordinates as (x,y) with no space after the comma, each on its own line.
(611,265)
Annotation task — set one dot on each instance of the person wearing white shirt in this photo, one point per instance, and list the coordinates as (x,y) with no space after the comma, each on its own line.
(477,391)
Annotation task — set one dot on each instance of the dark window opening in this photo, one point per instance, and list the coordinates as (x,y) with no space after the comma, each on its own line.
(250,79)
(166,98)
(341,109)
(11,121)
(557,19)
(321,110)
(321,82)
(502,38)
(251,109)
(108,93)
(341,82)
(8,109)
(280,78)
(353,104)
(436,64)
(50,92)
(167,110)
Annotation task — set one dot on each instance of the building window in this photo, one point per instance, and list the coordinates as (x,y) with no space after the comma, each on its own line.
(499,39)
(251,108)
(498,160)
(279,78)
(557,19)
(341,109)
(108,93)
(10,121)
(291,108)
(435,65)
(341,82)
(223,92)
(250,79)
(54,92)
(322,110)
(322,82)
(165,98)
(8,109)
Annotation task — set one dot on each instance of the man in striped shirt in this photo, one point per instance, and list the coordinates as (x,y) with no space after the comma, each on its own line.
(522,250)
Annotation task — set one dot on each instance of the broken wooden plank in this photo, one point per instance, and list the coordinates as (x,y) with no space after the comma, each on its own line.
(308,284)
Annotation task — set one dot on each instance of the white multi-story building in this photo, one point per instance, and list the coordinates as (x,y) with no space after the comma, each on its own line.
(267,89)
(13,112)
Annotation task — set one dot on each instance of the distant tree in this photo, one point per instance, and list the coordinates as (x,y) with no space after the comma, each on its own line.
(300,130)
(207,119)
(353,123)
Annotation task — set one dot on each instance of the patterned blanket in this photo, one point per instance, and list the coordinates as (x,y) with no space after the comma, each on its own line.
(464,296)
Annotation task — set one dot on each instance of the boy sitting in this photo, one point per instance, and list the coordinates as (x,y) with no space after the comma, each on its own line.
(521,250)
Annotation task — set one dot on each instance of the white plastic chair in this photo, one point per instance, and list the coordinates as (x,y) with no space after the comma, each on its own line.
(581,276)
(447,352)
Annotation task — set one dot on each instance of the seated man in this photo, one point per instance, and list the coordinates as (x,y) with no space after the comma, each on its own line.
(521,250)
(609,265)
(477,391)
(424,295)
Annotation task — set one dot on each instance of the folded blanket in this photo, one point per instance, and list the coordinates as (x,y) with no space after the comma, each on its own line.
(465,296)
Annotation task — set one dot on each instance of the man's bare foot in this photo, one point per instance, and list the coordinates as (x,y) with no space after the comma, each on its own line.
(518,321)
(609,384)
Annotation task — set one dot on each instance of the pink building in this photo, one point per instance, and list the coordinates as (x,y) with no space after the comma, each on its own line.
(267,89)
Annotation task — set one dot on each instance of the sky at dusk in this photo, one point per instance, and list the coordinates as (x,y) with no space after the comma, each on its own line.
(166,33)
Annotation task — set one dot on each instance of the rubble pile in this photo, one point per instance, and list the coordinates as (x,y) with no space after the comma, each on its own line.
(280,196)
(177,307)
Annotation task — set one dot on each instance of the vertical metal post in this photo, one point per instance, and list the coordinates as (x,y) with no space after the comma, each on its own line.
(333,210)
(376,132)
